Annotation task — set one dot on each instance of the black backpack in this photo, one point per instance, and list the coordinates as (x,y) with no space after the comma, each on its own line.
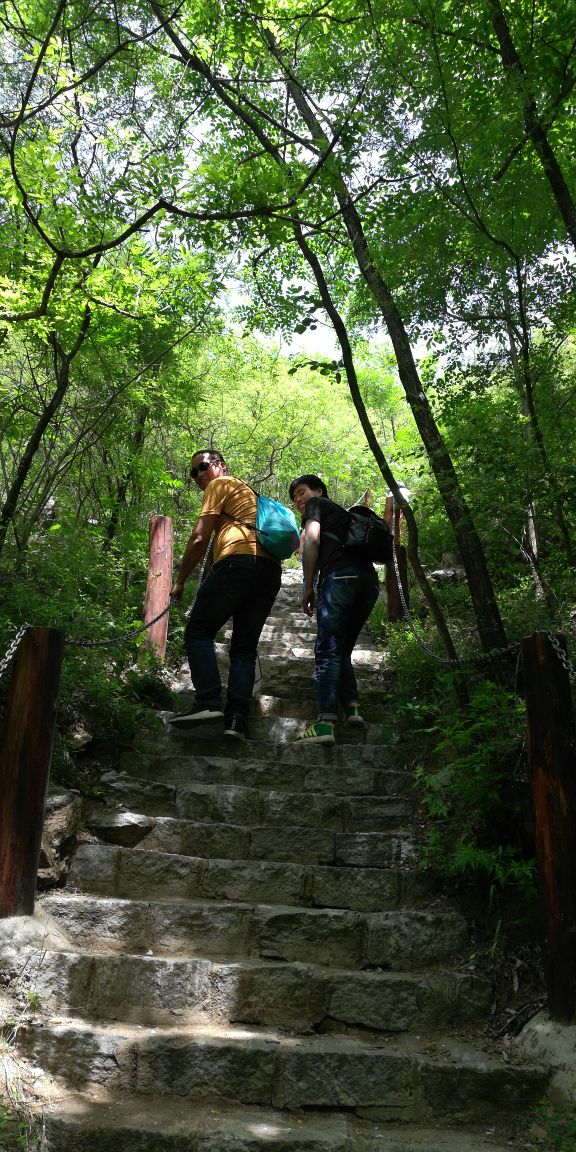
(368,536)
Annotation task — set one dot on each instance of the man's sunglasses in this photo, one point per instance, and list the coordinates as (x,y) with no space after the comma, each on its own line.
(203,466)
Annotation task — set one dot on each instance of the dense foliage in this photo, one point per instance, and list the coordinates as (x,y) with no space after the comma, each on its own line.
(178,187)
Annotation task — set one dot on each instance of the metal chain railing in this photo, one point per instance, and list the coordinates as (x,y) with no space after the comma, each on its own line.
(562,656)
(78,643)
(484,657)
(12,649)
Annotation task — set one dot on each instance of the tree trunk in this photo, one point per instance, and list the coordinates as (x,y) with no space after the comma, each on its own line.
(488,621)
(535,130)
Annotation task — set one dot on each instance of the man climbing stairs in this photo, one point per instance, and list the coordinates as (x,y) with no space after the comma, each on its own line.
(249,959)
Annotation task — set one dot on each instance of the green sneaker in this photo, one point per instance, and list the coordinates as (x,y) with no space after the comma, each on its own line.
(353,715)
(322,732)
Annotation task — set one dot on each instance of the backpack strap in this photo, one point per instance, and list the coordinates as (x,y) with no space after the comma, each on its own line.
(238,520)
(229,516)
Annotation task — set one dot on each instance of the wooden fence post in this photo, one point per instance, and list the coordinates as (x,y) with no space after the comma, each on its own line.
(552,758)
(25,765)
(159,582)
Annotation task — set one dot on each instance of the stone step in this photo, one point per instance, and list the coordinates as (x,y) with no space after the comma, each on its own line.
(108,870)
(274,729)
(238,804)
(222,930)
(300,704)
(341,769)
(164,1124)
(287,628)
(161,991)
(412,1080)
(296,649)
(374,710)
(306,845)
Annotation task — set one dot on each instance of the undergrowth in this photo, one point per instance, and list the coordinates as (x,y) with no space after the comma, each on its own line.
(558,1129)
(470,762)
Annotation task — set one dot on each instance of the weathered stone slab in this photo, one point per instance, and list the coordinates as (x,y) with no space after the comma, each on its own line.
(334,1074)
(119,872)
(233,804)
(291,996)
(373,813)
(324,936)
(306,811)
(149,797)
(413,938)
(253,880)
(472,1086)
(364,889)
(138,989)
(152,1124)
(309,845)
(124,828)
(341,779)
(373,849)
(190,839)
(161,926)
(206,1066)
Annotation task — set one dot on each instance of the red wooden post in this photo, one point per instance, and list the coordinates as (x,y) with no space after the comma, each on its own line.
(159,582)
(552,758)
(25,765)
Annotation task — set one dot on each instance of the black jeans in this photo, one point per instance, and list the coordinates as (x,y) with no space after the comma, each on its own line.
(241,588)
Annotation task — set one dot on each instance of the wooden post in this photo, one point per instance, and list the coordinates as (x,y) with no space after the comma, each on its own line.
(159,582)
(395,609)
(552,758)
(25,765)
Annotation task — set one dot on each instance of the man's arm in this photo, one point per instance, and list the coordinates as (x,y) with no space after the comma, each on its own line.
(193,553)
(309,561)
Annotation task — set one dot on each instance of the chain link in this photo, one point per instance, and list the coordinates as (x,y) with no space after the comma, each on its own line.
(11,650)
(485,657)
(115,639)
(78,643)
(563,658)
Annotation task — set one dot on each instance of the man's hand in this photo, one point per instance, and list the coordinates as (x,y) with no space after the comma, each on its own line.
(308,601)
(177,590)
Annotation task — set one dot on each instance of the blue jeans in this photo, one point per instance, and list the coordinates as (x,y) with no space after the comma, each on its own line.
(244,589)
(345,601)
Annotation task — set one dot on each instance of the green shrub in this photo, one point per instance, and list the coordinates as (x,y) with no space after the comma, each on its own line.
(559,1128)
(474,789)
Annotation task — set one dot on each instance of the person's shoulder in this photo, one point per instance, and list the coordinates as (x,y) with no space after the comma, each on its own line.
(225,484)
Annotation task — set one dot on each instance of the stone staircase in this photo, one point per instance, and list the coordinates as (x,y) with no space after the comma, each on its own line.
(249,961)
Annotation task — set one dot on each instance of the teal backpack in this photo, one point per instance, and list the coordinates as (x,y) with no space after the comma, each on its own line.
(276,528)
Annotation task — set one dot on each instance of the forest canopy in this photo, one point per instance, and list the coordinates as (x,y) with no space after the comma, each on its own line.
(182,186)
(190,192)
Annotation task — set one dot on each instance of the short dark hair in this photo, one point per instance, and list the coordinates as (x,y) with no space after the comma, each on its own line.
(214,455)
(310,481)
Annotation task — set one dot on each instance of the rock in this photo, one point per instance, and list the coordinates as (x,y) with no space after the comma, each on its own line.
(61,824)
(124,828)
(554,1045)
(40,931)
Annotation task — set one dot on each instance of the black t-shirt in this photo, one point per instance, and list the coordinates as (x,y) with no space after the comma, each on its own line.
(332,517)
